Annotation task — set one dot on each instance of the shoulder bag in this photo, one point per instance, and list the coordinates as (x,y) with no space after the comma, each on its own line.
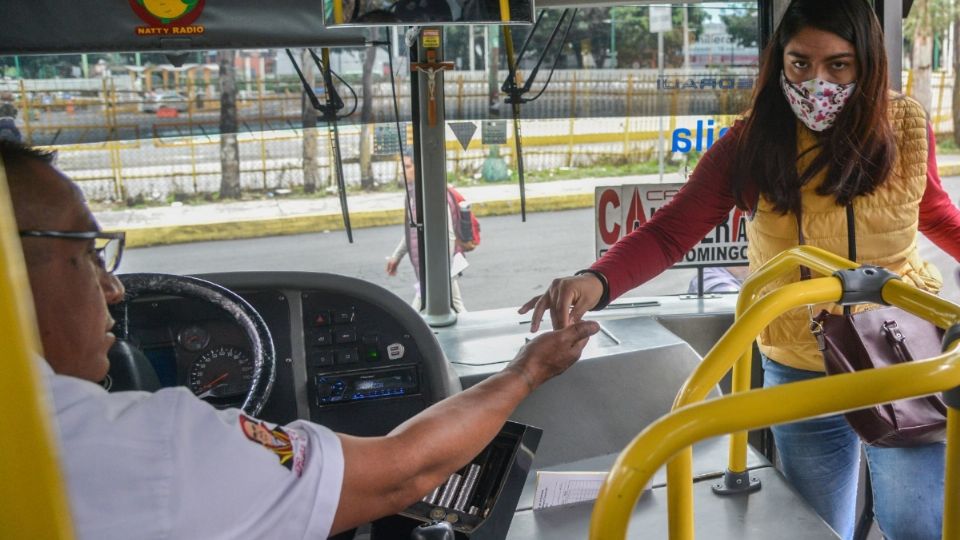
(876,338)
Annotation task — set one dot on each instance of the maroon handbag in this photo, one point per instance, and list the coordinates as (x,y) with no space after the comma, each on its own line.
(877,338)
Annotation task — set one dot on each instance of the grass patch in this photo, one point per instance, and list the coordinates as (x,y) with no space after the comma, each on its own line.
(946,145)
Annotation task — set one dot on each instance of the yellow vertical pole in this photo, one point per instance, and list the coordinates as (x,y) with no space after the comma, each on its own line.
(263,129)
(680,495)
(936,117)
(337,11)
(951,478)
(34,499)
(626,117)
(192,98)
(738,441)
(573,115)
(25,107)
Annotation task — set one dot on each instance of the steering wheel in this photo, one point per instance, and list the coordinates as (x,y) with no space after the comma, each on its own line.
(130,368)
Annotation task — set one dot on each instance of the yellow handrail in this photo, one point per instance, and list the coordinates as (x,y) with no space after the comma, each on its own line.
(678,430)
(33,502)
(720,359)
(754,312)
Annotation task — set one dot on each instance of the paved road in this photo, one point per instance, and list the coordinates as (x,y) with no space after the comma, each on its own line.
(516,260)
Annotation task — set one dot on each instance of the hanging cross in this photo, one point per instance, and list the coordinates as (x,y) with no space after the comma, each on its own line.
(430,68)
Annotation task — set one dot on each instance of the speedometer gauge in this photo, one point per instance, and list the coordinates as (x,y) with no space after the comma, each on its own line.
(221,372)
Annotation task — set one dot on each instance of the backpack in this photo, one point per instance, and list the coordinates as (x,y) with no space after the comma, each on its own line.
(466,227)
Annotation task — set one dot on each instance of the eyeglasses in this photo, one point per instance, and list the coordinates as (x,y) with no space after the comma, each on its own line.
(108,245)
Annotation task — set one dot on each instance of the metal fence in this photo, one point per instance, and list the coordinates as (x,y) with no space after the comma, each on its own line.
(124,144)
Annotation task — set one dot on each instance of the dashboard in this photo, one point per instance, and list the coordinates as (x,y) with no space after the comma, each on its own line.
(349,355)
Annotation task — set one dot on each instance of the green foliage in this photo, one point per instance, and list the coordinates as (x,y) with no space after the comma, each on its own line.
(929,17)
(636,45)
(743,26)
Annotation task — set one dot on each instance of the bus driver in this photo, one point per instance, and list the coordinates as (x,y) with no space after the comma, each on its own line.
(168,465)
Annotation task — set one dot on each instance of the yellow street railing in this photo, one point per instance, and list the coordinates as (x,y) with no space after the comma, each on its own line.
(755,312)
(33,502)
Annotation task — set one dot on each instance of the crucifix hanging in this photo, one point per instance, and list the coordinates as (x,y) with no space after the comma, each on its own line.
(431,68)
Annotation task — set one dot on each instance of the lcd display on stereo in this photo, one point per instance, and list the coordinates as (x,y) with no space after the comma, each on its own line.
(365,385)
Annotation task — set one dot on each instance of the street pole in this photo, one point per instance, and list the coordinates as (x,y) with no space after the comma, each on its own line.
(613,38)
(660,141)
(686,39)
(470,46)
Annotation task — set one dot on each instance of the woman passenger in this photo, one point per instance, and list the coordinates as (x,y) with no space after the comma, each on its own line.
(823,132)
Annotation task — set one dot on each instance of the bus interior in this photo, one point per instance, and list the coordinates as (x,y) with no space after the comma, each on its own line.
(335,341)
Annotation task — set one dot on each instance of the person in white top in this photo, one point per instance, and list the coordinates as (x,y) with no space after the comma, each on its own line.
(409,246)
(167,465)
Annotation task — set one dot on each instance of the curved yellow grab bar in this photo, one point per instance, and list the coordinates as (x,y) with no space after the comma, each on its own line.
(923,304)
(719,360)
(680,429)
(819,261)
(33,502)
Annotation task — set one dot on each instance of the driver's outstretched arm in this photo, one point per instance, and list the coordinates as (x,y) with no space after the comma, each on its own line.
(384,475)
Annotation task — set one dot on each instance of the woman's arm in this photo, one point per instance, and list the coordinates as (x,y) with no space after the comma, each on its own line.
(704,201)
(939,218)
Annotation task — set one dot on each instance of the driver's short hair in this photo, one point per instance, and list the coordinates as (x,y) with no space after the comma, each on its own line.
(14,153)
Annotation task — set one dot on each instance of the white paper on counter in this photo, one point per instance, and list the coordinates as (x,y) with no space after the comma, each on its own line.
(562,488)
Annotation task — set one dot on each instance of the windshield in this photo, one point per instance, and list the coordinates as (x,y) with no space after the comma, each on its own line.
(150,142)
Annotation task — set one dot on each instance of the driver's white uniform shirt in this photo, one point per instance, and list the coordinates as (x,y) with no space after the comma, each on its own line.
(169,466)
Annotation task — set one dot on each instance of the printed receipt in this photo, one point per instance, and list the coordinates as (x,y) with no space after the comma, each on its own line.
(561,488)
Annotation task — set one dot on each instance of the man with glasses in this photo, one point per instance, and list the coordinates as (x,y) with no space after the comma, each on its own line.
(168,465)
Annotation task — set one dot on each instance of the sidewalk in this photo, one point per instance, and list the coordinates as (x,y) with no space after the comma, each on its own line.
(280,216)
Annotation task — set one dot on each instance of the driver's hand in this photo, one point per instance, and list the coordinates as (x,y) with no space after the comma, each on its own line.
(551,353)
(567,299)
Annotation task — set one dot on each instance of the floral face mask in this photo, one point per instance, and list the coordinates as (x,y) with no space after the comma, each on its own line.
(816,102)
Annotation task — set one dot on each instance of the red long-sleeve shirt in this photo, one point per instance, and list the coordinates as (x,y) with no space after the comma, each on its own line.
(707,200)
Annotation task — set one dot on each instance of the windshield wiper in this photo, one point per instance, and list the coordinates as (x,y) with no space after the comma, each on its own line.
(328,112)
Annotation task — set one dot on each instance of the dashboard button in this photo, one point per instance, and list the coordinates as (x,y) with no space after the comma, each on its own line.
(370,340)
(372,355)
(322,319)
(395,351)
(346,335)
(349,356)
(343,317)
(322,358)
(323,338)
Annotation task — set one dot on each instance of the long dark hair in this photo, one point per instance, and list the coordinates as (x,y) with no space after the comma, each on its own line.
(858,152)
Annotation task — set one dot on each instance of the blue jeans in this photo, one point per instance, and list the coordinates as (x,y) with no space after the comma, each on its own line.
(821,459)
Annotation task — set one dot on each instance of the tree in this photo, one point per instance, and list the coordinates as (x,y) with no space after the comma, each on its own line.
(743,26)
(637,45)
(229,149)
(308,116)
(366,120)
(927,19)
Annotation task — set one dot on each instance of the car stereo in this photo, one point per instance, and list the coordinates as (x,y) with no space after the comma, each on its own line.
(366,385)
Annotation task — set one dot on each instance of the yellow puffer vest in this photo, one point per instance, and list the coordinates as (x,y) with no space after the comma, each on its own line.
(886,232)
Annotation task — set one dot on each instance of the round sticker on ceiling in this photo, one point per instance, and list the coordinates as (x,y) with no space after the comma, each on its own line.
(168,17)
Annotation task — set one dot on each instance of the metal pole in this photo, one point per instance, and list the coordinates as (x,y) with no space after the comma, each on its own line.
(435,249)
(471,45)
(660,141)
(613,38)
(686,38)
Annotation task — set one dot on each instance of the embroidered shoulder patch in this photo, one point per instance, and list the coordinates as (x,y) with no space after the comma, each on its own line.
(288,444)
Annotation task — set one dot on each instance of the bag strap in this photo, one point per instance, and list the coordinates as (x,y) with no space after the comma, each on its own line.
(804,271)
(851,242)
